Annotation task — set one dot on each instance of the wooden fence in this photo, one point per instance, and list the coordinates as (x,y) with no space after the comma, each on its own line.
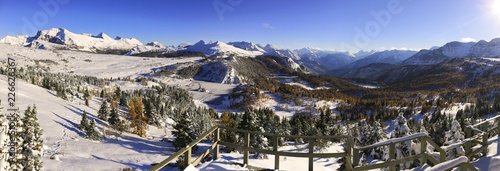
(475,134)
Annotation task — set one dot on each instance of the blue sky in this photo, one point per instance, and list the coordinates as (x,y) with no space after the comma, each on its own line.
(326,24)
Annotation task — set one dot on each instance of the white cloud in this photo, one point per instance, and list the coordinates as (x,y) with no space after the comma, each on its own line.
(467,39)
(268,26)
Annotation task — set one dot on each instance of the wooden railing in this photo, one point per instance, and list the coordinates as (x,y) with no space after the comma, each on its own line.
(352,154)
(246,148)
(479,134)
(187,151)
(423,154)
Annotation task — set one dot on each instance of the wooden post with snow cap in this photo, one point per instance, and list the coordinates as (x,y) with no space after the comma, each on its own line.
(187,157)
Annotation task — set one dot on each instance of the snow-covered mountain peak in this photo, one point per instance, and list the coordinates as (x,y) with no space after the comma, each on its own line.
(361,54)
(218,48)
(19,40)
(156,44)
(246,46)
(63,38)
(103,35)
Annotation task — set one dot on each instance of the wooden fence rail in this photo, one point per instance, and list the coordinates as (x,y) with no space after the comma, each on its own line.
(474,134)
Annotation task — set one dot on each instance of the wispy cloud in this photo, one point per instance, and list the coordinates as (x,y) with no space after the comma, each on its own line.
(268,26)
(467,39)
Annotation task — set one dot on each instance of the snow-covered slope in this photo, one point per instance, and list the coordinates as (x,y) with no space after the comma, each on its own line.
(59,120)
(337,60)
(216,49)
(388,57)
(247,46)
(156,44)
(456,50)
(15,40)
(219,72)
(274,51)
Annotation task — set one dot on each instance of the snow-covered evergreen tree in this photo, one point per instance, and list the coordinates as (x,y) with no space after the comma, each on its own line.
(183,132)
(32,140)
(455,135)
(365,131)
(84,123)
(103,112)
(114,117)
(377,134)
(91,132)
(403,149)
(250,122)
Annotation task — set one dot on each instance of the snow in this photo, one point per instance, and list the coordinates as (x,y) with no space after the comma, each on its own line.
(287,109)
(216,48)
(493,59)
(220,164)
(289,163)
(59,119)
(97,65)
(15,40)
(448,164)
(395,140)
(86,42)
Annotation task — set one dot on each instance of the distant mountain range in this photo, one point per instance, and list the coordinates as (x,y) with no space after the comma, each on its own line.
(364,64)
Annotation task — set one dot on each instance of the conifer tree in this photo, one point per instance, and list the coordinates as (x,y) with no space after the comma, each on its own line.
(86,97)
(103,112)
(137,116)
(114,118)
(250,122)
(403,149)
(183,133)
(377,134)
(84,123)
(32,140)
(92,132)
(101,95)
(454,135)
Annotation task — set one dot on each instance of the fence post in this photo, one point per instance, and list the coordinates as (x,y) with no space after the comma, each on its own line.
(349,146)
(217,139)
(392,155)
(355,156)
(276,156)
(485,137)
(498,124)
(423,149)
(311,151)
(468,144)
(246,153)
(187,156)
